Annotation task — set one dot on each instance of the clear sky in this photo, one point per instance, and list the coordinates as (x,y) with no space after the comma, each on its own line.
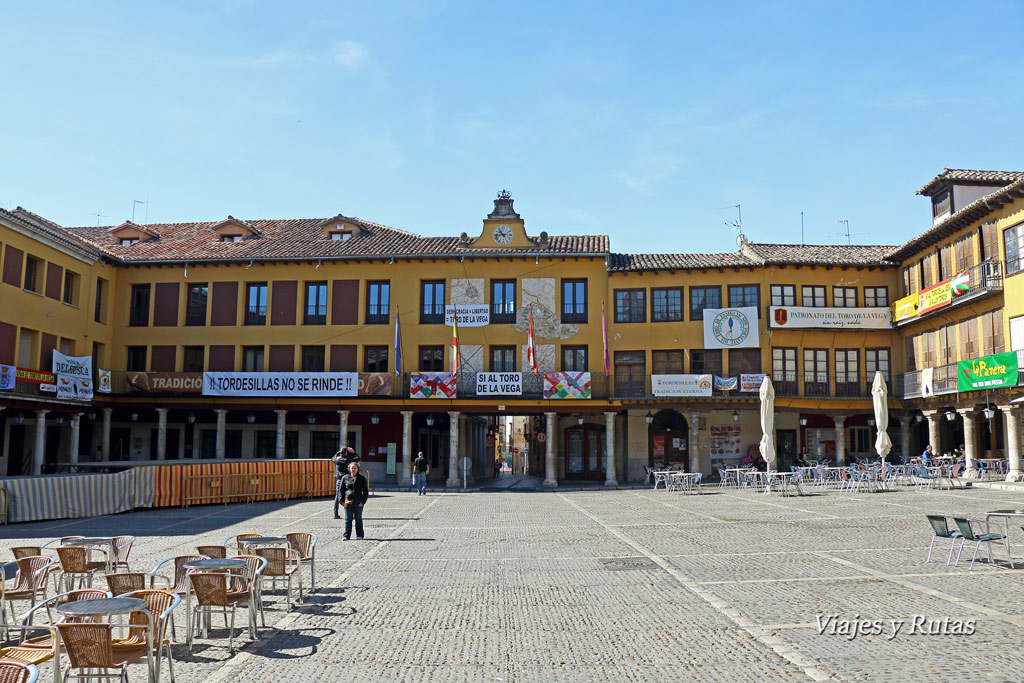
(640,120)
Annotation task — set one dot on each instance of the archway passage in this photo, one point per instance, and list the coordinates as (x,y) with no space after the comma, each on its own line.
(668,440)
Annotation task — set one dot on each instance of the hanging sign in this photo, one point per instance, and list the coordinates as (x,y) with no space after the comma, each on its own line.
(681,385)
(808,317)
(906,307)
(499,383)
(936,296)
(726,383)
(164,382)
(751,383)
(961,284)
(7,376)
(36,376)
(74,376)
(73,387)
(103,379)
(730,328)
(307,384)
(375,383)
(987,372)
(470,315)
(566,385)
(431,385)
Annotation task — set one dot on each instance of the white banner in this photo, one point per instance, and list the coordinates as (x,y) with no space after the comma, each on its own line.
(104,380)
(470,315)
(681,385)
(499,383)
(751,383)
(804,317)
(927,382)
(320,384)
(74,387)
(74,376)
(730,328)
(8,374)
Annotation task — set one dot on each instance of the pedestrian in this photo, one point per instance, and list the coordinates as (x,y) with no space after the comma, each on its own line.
(341,459)
(355,491)
(420,470)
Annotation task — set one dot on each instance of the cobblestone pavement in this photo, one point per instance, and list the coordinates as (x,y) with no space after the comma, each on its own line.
(634,585)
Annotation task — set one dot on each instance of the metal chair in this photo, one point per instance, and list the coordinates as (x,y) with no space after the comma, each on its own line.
(75,564)
(964,525)
(282,563)
(27,551)
(940,529)
(126,582)
(30,583)
(213,551)
(91,646)
(304,543)
(251,579)
(177,583)
(213,591)
(237,540)
(122,548)
(159,604)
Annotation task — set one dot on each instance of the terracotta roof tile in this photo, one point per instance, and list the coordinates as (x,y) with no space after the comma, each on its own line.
(820,254)
(622,263)
(950,176)
(51,230)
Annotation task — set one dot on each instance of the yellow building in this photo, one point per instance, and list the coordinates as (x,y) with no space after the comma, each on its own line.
(238,339)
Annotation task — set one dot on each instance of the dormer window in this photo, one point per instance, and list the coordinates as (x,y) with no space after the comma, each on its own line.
(339,228)
(129,233)
(340,235)
(942,204)
(232,229)
(230,238)
(128,241)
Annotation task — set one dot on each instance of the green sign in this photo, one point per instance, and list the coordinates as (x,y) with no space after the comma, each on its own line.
(988,372)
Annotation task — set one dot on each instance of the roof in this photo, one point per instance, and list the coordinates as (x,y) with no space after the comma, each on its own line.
(50,229)
(304,238)
(819,254)
(963,176)
(632,263)
(973,212)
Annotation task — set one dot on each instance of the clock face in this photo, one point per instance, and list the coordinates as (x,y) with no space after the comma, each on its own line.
(502,234)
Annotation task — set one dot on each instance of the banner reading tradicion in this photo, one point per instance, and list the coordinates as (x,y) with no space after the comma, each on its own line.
(988,372)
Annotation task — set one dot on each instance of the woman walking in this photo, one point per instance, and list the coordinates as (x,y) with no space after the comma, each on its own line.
(355,492)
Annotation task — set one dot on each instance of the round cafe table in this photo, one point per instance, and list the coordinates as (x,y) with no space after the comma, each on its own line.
(215,563)
(101,607)
(264,540)
(1006,515)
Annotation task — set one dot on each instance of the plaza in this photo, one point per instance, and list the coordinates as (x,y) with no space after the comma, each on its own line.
(611,585)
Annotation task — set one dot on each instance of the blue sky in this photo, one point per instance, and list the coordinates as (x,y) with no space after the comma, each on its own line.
(641,121)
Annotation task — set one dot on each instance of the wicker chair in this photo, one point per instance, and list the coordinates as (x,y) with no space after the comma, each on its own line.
(213,591)
(282,563)
(237,540)
(178,584)
(213,551)
(27,551)
(304,543)
(122,548)
(126,582)
(39,649)
(250,579)
(16,672)
(54,570)
(91,646)
(75,563)
(159,604)
(31,582)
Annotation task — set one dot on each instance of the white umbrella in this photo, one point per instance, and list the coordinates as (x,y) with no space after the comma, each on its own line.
(879,396)
(767,444)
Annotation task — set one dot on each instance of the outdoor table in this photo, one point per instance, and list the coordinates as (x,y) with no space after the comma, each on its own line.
(211,563)
(683,479)
(264,540)
(736,472)
(105,607)
(662,476)
(1006,515)
(991,464)
(785,478)
(99,542)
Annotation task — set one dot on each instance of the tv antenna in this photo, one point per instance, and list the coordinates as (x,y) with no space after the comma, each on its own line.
(848,235)
(98,216)
(139,201)
(737,224)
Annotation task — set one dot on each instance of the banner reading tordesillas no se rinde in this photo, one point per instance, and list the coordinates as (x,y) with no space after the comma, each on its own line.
(987,372)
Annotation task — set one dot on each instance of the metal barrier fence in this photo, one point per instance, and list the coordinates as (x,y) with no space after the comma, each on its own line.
(198,489)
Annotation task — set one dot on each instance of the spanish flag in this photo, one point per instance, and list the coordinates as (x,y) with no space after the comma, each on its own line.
(455,342)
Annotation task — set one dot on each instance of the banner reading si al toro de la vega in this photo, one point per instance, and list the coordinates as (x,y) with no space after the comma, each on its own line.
(987,372)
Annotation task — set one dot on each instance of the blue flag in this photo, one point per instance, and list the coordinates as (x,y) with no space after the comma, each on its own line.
(398,342)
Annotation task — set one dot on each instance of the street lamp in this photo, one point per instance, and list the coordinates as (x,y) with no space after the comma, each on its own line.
(250,418)
(950,415)
(59,420)
(191,418)
(803,421)
(735,416)
(135,416)
(311,419)
(430,420)
(871,422)
(579,420)
(374,419)
(19,418)
(988,413)
(918,417)
(648,418)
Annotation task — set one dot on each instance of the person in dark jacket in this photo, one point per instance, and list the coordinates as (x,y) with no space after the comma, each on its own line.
(342,459)
(354,490)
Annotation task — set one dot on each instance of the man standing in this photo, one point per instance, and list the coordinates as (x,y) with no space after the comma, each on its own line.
(420,470)
(355,491)
(342,459)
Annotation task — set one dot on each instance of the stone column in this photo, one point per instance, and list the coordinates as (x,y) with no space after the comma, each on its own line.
(970,441)
(342,429)
(279,453)
(934,437)
(1013,442)
(840,440)
(406,478)
(550,476)
(609,450)
(453,450)
(221,424)
(694,437)
(905,422)
(105,438)
(39,452)
(76,436)
(161,433)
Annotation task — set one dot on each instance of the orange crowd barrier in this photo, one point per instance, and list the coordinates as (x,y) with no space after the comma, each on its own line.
(224,482)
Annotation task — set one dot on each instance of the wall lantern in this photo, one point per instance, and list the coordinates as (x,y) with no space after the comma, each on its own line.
(250,418)
(579,420)
(950,415)
(430,420)
(803,421)
(135,416)
(871,422)
(311,419)
(91,415)
(19,418)
(59,419)
(648,418)
(988,413)
(918,418)
(191,418)
(375,419)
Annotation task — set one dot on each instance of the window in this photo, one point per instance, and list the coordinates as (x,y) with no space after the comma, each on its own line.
(963,252)
(942,203)
(847,372)
(70,288)
(432,302)
(256,303)
(503,301)
(666,362)
(313,359)
(814,296)
(969,339)
(909,280)
(947,344)
(988,235)
(375,358)
(704,297)
(323,444)
(252,358)
(945,257)
(783,295)
(431,359)
(31,274)
(378,302)
(136,359)
(630,373)
(99,308)
(194,357)
(574,301)
(574,359)
(630,305)
(876,297)
(744,362)
(815,372)
(877,360)
(195,304)
(503,359)
(844,297)
(666,304)
(992,332)
(927,273)
(1013,241)
(341,235)
(316,304)
(706,362)
(128,241)
(928,349)
(910,351)
(745,295)
(139,313)
(784,370)
(230,238)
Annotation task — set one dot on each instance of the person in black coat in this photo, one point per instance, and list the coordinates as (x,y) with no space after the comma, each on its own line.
(342,459)
(354,490)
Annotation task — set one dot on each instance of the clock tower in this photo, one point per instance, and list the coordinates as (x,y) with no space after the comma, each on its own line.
(503,228)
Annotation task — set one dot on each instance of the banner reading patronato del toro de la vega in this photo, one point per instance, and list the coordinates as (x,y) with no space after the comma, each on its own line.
(806,317)
(306,384)
(988,372)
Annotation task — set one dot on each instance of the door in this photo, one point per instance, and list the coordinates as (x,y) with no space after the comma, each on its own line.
(785,448)
(17,458)
(584,451)
(52,453)
(120,443)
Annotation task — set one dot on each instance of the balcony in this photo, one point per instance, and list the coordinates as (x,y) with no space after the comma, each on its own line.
(255,315)
(432,314)
(943,380)
(638,389)
(984,279)
(824,385)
